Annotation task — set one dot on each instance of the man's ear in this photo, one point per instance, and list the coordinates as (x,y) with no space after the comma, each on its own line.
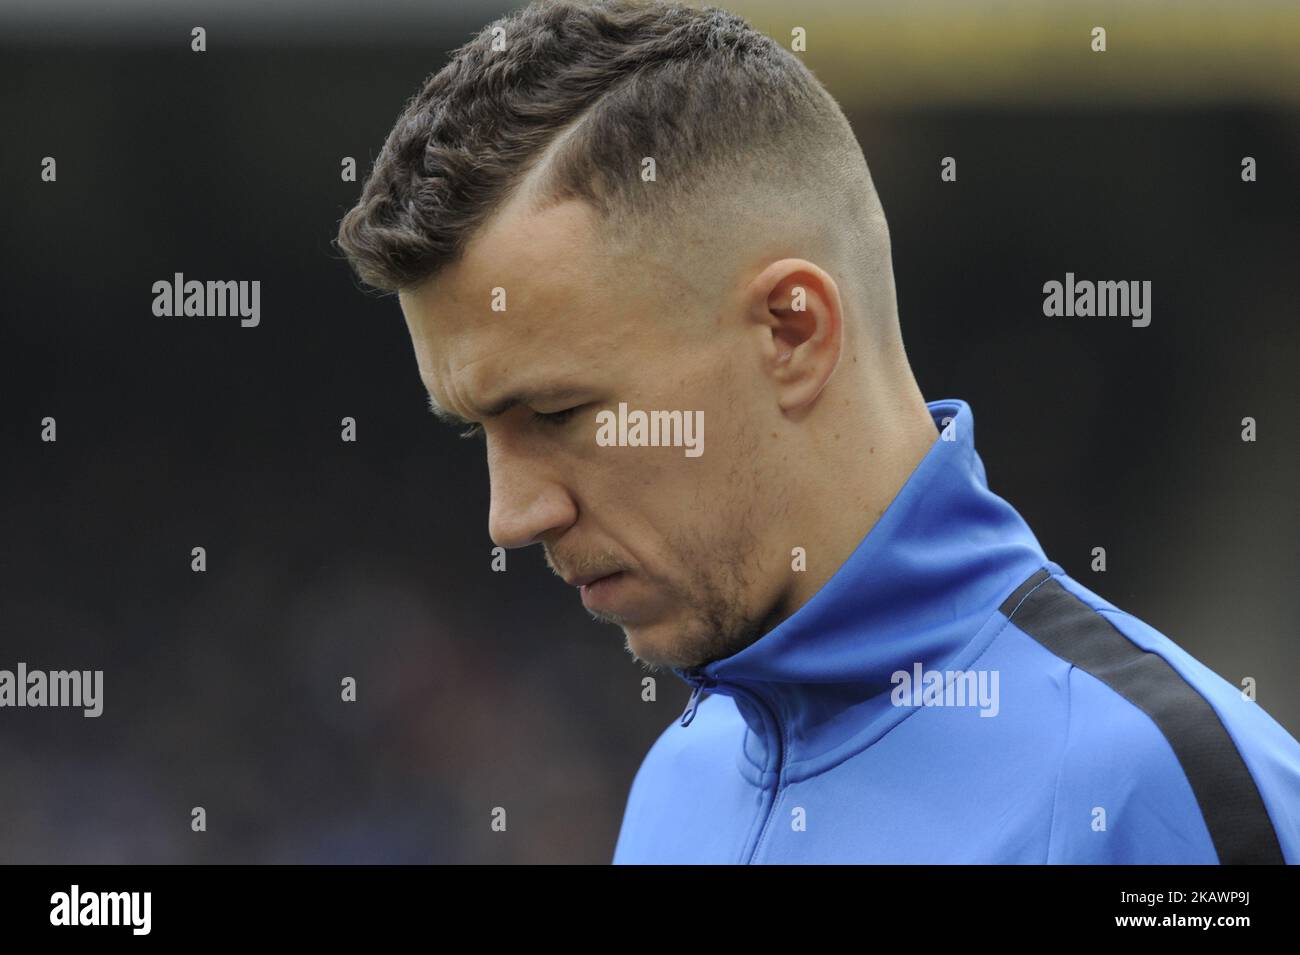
(795,311)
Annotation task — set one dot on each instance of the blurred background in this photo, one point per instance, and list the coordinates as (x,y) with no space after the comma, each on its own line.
(371,559)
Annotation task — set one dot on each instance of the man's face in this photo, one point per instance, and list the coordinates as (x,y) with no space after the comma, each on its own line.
(687,539)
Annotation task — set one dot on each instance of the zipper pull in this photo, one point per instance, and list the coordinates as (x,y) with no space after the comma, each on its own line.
(694,702)
(692,705)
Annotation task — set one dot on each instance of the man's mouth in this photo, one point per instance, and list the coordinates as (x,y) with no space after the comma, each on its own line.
(583,580)
(598,592)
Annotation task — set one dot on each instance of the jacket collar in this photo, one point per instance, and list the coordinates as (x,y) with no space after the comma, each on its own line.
(918,589)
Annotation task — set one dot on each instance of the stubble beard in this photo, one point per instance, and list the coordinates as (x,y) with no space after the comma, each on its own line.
(721,612)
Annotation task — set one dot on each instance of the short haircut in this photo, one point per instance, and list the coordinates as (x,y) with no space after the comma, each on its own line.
(745,141)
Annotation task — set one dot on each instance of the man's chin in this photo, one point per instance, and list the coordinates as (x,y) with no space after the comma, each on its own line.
(656,647)
(656,644)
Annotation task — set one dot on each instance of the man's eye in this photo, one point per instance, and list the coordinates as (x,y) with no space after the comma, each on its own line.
(552,418)
(556,417)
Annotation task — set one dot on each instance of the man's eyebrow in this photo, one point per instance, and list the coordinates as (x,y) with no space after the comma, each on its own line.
(445,416)
(505,404)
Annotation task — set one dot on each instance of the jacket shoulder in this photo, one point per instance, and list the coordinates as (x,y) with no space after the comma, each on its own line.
(1164,761)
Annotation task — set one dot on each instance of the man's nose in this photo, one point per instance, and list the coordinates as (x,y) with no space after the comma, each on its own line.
(526,502)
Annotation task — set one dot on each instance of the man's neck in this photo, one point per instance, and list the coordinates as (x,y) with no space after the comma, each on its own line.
(865,473)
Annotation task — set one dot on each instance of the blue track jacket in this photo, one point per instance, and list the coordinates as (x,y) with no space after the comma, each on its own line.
(952,696)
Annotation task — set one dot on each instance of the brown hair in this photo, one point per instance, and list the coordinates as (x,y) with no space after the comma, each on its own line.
(563,100)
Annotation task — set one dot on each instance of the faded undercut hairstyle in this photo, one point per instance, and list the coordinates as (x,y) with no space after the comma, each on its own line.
(563,100)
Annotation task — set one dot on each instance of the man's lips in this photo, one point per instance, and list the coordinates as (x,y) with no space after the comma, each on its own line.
(585,579)
(601,593)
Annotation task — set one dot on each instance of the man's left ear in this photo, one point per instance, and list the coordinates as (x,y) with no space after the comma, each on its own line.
(795,308)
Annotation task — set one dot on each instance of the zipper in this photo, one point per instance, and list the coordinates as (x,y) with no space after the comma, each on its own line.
(699,683)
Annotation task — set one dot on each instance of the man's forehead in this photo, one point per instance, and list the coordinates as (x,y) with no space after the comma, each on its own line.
(529,250)
(512,316)
(457,323)
(477,362)
(522,266)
